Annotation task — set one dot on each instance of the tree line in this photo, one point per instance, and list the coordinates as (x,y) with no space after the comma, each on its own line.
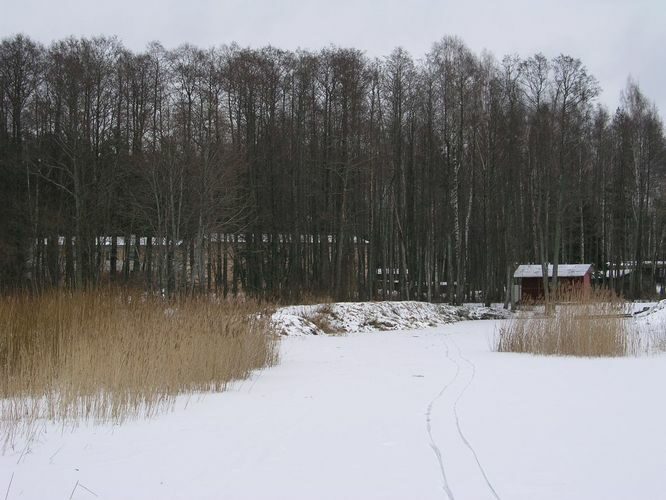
(276,173)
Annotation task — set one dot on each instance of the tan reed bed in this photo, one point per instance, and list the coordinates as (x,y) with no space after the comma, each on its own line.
(577,322)
(107,356)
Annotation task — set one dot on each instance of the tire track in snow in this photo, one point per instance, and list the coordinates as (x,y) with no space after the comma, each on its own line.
(457,417)
(433,444)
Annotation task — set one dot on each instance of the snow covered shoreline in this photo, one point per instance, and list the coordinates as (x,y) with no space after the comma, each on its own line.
(357,317)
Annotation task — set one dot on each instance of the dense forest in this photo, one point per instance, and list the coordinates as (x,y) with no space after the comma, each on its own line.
(275,173)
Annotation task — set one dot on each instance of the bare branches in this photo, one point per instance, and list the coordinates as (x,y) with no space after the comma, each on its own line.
(278,173)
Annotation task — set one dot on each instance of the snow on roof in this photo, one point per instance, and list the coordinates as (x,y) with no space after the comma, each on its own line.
(563,270)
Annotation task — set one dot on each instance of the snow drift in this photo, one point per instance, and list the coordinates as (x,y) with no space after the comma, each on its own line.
(355,317)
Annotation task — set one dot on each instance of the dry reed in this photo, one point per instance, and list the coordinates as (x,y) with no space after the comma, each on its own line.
(576,323)
(322,318)
(107,357)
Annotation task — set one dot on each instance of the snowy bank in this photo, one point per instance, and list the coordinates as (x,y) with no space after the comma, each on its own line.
(356,317)
(654,312)
(651,327)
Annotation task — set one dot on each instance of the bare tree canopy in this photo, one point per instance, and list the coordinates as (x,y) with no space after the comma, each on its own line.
(278,173)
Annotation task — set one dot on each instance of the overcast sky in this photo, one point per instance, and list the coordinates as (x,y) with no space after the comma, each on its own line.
(614,38)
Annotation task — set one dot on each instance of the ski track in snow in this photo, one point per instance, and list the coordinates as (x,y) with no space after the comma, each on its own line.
(454,409)
(433,444)
(460,432)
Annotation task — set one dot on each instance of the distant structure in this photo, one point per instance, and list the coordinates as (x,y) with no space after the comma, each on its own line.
(528,279)
(644,279)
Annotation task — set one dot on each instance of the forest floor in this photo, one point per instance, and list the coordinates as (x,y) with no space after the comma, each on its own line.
(429,413)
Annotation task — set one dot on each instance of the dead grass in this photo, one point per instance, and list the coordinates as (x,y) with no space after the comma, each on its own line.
(322,317)
(656,341)
(108,357)
(577,323)
(659,340)
(653,335)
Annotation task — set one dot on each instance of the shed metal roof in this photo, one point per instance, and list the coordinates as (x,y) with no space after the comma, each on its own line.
(563,270)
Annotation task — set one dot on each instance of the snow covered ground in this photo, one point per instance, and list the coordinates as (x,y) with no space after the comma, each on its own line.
(430,413)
